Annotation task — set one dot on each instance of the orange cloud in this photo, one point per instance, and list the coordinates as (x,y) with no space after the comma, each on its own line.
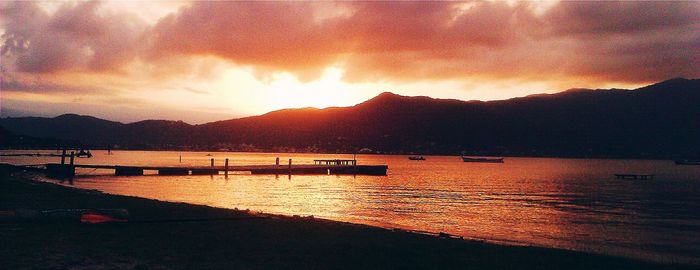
(444,40)
(371,41)
(269,35)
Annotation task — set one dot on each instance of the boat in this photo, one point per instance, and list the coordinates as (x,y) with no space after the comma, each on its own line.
(482,159)
(687,161)
(634,176)
(416,158)
(84,154)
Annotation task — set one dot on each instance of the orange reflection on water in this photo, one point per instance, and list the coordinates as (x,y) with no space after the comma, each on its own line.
(565,203)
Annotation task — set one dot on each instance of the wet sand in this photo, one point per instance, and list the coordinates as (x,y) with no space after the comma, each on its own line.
(164,235)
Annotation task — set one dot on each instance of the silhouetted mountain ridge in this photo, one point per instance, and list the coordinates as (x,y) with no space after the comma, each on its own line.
(660,120)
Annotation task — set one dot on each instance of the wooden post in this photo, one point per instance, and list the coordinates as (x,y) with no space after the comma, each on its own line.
(71,168)
(277,161)
(354,163)
(290,166)
(226,168)
(212,162)
(180,158)
(63,156)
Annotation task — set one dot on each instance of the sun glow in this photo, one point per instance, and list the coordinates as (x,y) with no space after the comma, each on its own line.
(327,91)
(245,92)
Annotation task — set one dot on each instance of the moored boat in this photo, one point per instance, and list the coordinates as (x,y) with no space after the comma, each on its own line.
(416,158)
(84,154)
(482,159)
(687,161)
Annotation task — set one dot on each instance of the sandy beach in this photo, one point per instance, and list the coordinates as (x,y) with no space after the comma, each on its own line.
(164,235)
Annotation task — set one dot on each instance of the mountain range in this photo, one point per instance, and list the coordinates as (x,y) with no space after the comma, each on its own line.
(656,121)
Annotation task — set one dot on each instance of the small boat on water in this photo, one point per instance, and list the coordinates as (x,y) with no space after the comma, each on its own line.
(482,159)
(634,176)
(687,161)
(84,154)
(416,158)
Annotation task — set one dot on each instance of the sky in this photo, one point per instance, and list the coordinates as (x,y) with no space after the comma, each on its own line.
(204,61)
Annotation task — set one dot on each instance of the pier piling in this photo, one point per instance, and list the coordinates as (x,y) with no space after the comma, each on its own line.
(60,171)
(71,168)
(63,170)
(226,167)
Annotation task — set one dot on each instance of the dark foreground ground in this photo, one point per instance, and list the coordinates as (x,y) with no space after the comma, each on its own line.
(238,240)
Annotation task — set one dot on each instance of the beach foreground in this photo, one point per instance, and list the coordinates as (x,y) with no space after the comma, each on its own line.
(163,235)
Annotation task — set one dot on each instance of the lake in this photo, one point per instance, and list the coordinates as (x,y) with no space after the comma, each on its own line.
(574,204)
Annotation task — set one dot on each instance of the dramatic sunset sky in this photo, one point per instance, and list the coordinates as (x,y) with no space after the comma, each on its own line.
(206,61)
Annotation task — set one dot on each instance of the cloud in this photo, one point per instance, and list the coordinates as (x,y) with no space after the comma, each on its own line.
(629,41)
(288,36)
(408,41)
(269,35)
(42,87)
(621,17)
(372,41)
(10,82)
(76,37)
(195,90)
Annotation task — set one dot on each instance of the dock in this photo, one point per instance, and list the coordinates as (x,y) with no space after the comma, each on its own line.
(634,176)
(57,169)
(68,170)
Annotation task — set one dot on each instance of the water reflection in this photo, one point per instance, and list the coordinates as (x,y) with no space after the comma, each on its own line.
(565,203)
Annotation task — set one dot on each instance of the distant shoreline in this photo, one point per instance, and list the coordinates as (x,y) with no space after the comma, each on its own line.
(272,241)
(657,121)
(348,154)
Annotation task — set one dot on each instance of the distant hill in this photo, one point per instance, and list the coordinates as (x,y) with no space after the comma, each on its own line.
(95,132)
(9,140)
(657,121)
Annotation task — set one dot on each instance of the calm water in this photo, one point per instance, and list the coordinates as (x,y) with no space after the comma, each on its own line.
(573,204)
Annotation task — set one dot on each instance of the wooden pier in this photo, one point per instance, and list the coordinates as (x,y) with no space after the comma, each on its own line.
(68,170)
